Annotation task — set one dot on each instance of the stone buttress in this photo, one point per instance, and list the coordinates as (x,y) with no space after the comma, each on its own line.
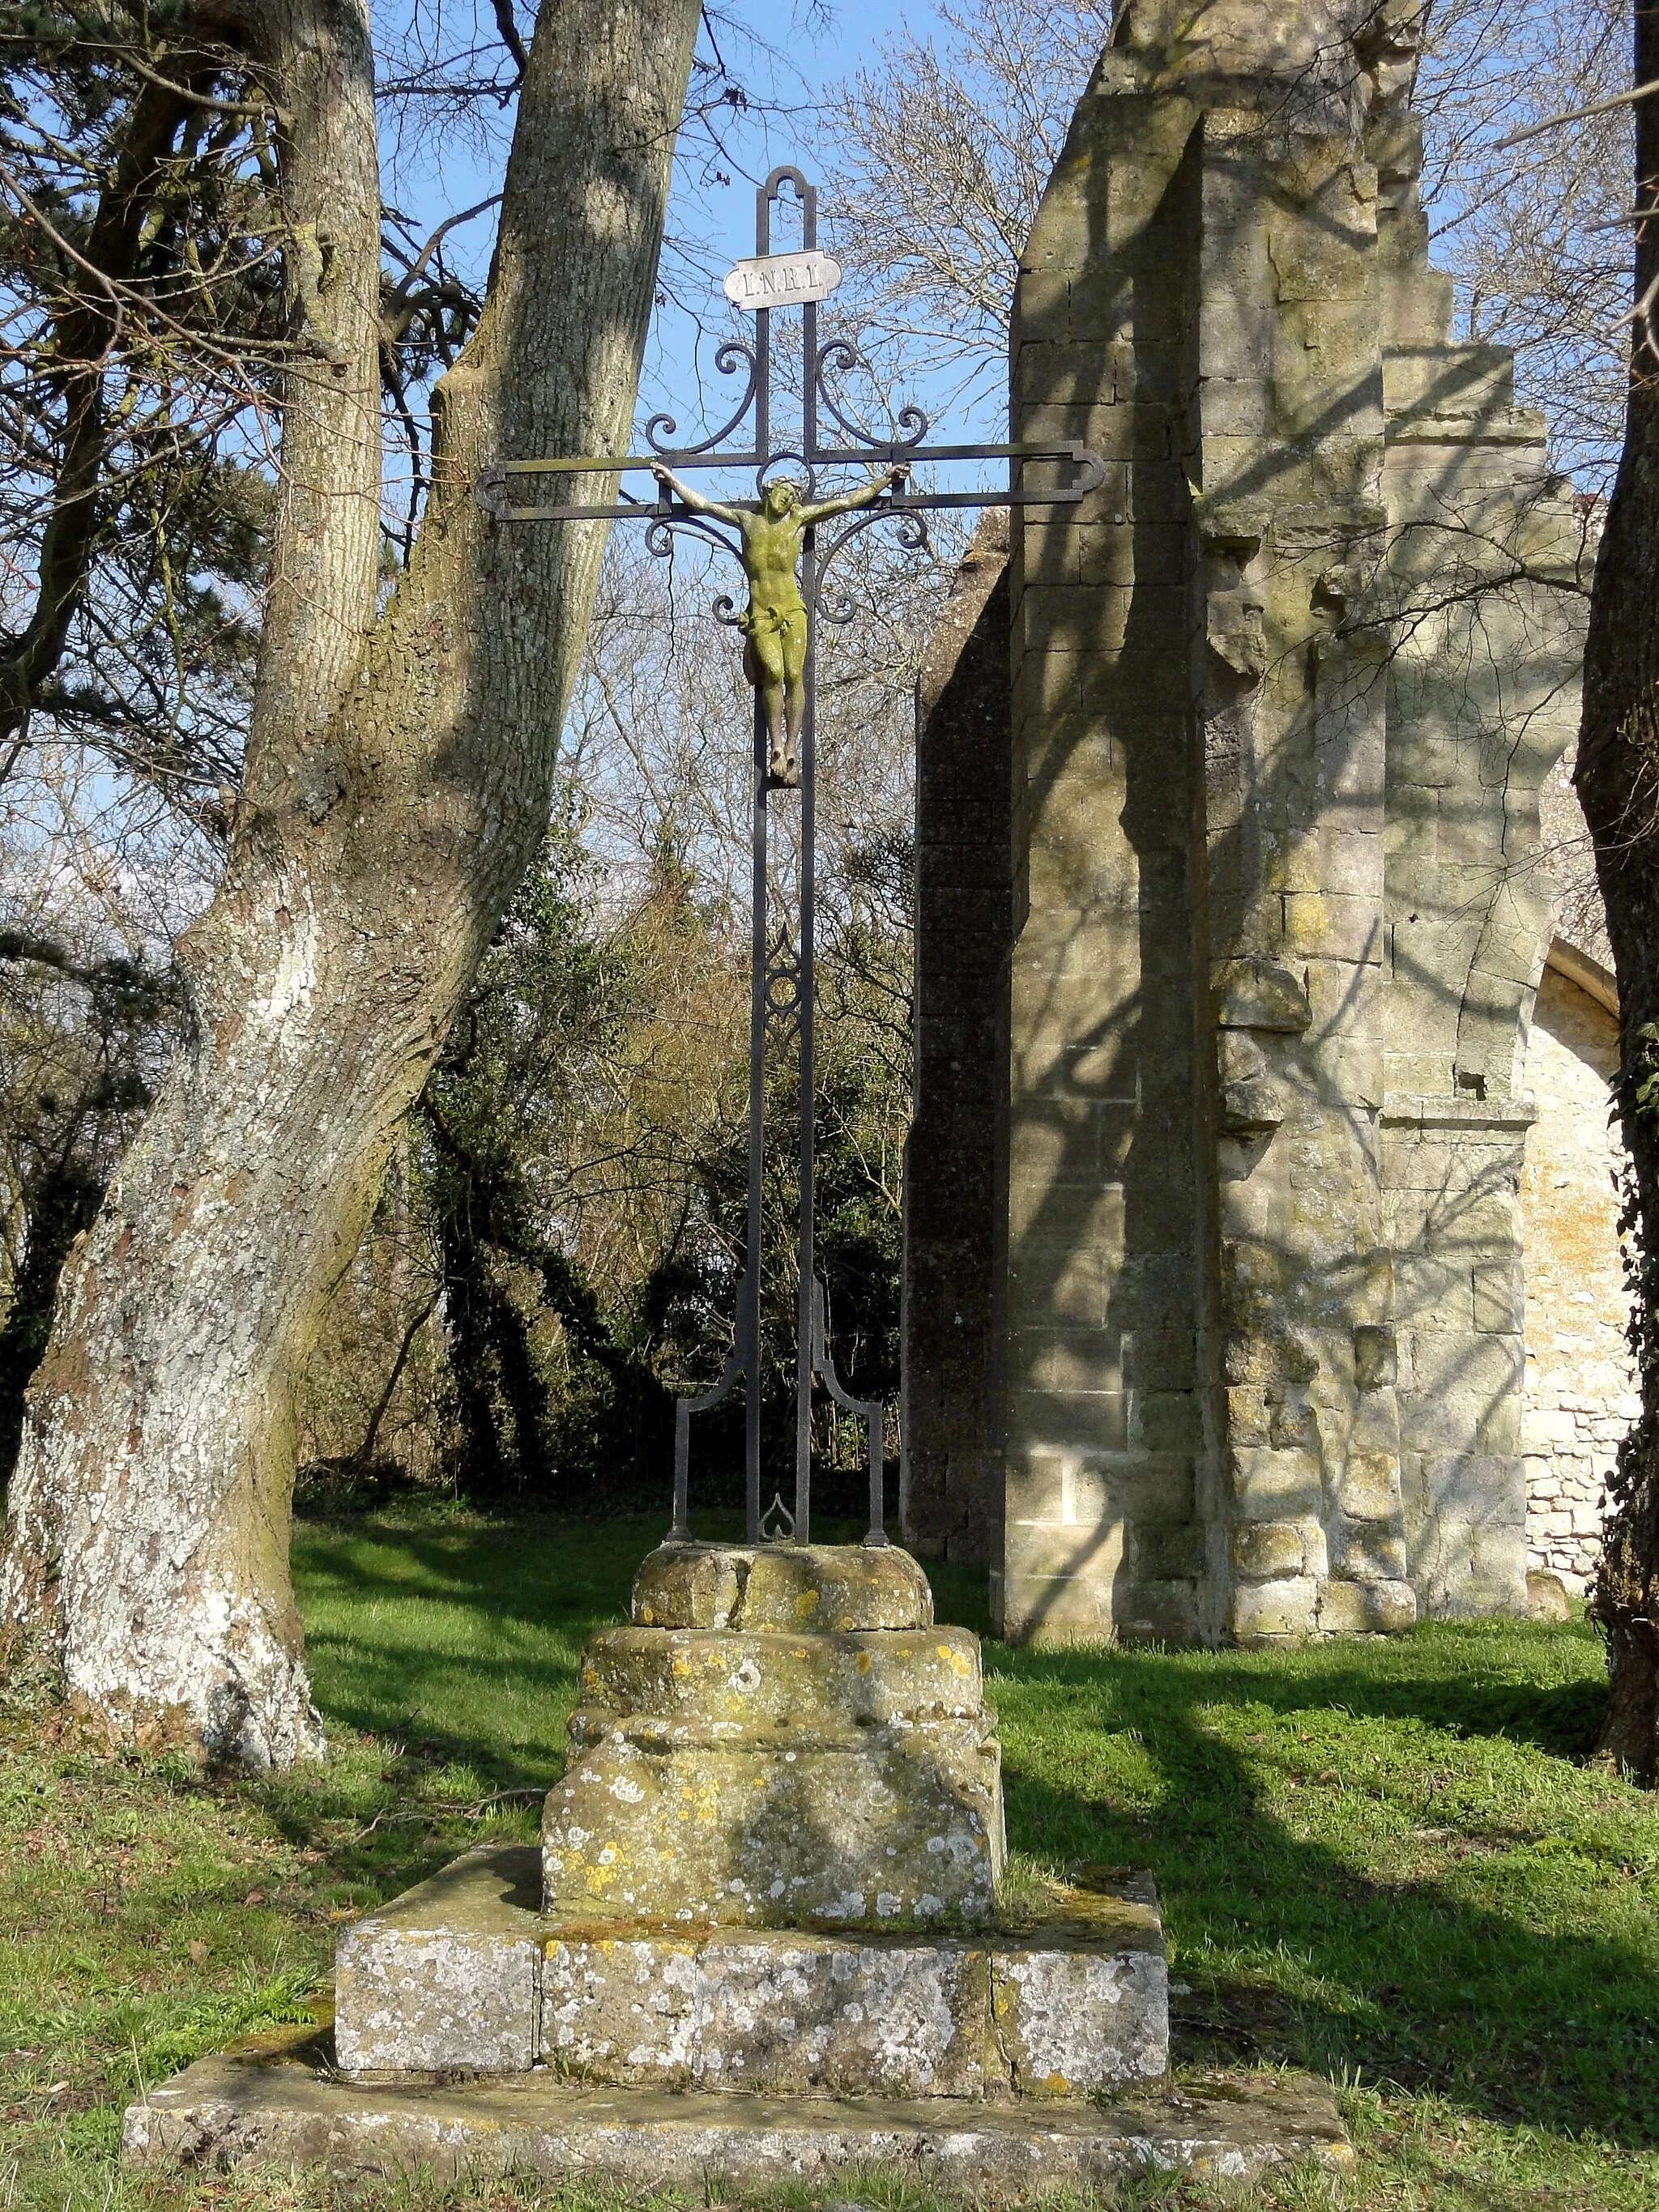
(1283,693)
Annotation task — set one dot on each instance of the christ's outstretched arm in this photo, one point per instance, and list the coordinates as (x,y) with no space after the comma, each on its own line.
(873,491)
(694,499)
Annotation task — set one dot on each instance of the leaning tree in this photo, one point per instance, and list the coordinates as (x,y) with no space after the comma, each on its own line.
(397,773)
(1618,780)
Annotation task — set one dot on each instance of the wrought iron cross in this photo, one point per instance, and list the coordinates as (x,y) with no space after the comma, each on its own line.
(782,936)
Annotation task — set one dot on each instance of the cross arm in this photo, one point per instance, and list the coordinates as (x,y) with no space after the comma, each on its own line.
(693,498)
(493,488)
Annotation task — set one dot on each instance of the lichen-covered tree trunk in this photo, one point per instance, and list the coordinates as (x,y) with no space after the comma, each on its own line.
(398,783)
(1618,779)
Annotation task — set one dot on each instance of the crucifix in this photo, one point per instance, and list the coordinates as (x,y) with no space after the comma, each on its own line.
(775,538)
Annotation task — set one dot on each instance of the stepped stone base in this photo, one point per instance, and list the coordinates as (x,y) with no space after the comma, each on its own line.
(781,1738)
(464,1972)
(762,1938)
(276,2104)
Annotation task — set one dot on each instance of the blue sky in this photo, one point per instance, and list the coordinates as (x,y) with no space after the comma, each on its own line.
(819,48)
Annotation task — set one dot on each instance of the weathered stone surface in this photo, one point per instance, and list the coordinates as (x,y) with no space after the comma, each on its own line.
(1084,2007)
(1268,991)
(782,1740)
(790,2015)
(950,1467)
(278,2107)
(449,1975)
(891,1826)
(818,1587)
(1072,2005)
(1259,994)
(702,1677)
(620,2008)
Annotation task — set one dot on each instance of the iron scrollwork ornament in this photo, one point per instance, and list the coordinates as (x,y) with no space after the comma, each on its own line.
(786,551)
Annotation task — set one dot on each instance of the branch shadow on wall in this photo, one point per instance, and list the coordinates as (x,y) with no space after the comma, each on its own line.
(1107,1113)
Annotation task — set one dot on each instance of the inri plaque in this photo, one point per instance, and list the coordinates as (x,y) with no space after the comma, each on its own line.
(782,280)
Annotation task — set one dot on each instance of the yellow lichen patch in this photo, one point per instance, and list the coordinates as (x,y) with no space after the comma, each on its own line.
(806,1603)
(958,1662)
(862,1662)
(1052,2085)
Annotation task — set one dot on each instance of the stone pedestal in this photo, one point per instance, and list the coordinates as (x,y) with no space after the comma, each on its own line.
(782,1738)
(770,1873)
(465,1974)
(772,1866)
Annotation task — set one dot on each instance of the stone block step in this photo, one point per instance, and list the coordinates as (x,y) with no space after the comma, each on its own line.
(817,1587)
(463,1974)
(277,2107)
(892,1827)
(854,1679)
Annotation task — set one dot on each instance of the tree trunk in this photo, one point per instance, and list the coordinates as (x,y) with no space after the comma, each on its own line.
(1618,780)
(398,785)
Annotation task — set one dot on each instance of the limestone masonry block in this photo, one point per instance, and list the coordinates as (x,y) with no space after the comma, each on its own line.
(283,2111)
(447,1975)
(1076,2018)
(1275,1612)
(1070,2006)
(1264,1551)
(1370,1551)
(1347,1609)
(857,1678)
(791,2015)
(894,1827)
(1273,1486)
(1369,1488)
(822,1587)
(1258,994)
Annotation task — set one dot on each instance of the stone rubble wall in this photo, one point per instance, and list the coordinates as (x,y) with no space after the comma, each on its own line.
(1580,1394)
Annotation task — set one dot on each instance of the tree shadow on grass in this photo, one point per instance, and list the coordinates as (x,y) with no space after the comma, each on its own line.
(1514,2015)
(1510,2013)
(1559,1719)
(406,1695)
(463,1640)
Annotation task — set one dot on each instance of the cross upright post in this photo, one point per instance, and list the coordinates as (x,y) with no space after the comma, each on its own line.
(776,537)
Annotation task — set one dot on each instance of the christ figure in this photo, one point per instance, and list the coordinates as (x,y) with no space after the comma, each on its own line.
(773,624)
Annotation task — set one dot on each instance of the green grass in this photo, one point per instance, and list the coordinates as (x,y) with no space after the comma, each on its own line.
(1380,1861)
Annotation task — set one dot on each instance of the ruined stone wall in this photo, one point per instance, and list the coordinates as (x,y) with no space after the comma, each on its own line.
(950,1473)
(1482,680)
(1104,1531)
(1579,1396)
(1283,693)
